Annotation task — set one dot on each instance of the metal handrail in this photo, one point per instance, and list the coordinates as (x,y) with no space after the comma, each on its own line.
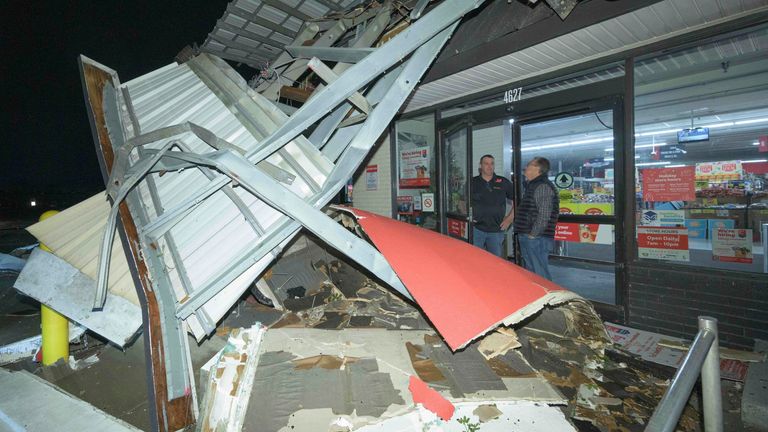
(703,358)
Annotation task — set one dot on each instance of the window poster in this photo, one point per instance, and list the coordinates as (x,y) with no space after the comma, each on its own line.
(732,245)
(405,204)
(663,243)
(414,160)
(669,184)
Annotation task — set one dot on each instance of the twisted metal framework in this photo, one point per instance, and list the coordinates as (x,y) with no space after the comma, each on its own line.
(209,180)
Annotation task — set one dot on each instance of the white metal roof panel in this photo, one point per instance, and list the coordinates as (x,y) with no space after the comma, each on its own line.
(659,21)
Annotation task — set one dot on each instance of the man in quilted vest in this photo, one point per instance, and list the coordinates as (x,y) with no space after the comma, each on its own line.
(536,217)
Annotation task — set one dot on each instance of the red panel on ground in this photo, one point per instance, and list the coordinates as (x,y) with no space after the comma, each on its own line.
(431,399)
(464,290)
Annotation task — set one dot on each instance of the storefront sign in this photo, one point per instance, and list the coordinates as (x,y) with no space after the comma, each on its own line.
(732,245)
(664,218)
(457,228)
(724,170)
(428,202)
(584,233)
(405,204)
(372,177)
(663,243)
(592,209)
(414,168)
(668,152)
(669,184)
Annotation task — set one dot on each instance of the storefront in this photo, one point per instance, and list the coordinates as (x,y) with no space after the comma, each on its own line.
(661,159)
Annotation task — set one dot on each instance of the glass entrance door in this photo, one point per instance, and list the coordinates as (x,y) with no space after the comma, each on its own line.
(583,166)
(456,156)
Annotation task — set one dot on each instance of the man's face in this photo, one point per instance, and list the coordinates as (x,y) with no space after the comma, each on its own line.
(531,171)
(486,167)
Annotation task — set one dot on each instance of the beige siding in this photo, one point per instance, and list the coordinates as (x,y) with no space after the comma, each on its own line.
(377,201)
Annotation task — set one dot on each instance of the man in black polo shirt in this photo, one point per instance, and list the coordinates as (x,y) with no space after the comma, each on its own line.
(489,203)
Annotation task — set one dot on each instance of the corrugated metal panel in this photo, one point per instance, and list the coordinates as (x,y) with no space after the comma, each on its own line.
(254,31)
(215,233)
(644,26)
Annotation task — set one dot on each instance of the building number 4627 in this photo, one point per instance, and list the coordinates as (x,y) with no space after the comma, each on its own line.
(513,95)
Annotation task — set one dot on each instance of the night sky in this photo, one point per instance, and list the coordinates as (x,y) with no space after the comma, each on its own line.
(46,139)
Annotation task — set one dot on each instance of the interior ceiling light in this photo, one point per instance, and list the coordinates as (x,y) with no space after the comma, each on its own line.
(568,144)
(652,163)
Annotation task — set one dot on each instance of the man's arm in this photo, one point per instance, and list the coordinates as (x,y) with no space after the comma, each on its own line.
(543,199)
(510,217)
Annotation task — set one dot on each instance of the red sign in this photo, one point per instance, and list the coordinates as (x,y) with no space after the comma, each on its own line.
(763,143)
(669,184)
(593,211)
(575,232)
(663,238)
(457,228)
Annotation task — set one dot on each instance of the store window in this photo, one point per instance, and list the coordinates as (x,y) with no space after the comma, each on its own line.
(580,152)
(701,140)
(416,167)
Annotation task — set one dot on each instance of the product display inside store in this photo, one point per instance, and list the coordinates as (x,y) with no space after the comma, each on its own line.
(702,155)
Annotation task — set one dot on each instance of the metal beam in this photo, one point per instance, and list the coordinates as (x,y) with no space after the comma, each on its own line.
(345,55)
(326,74)
(363,73)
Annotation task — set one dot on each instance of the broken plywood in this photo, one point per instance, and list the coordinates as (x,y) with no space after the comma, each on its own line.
(60,286)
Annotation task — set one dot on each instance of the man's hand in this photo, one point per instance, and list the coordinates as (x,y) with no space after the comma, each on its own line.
(506,223)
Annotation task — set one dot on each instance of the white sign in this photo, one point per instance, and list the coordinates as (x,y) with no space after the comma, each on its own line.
(513,95)
(732,245)
(372,177)
(663,243)
(428,202)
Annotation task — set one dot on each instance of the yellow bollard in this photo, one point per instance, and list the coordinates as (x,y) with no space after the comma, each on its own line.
(55,325)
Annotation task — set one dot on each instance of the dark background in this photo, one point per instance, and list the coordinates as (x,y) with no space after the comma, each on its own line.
(46,149)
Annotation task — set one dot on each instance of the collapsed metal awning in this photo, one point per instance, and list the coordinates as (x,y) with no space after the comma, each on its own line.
(209,181)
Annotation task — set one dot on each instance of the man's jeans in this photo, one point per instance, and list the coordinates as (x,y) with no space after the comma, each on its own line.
(535,252)
(490,241)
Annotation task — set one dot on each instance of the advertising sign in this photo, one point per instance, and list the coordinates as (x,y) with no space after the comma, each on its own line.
(719,169)
(669,184)
(663,243)
(584,233)
(405,204)
(414,168)
(732,245)
(457,228)
(372,177)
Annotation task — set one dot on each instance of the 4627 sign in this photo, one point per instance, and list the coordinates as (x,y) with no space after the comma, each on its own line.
(513,95)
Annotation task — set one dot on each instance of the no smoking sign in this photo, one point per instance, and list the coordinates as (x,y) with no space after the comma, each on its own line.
(428,202)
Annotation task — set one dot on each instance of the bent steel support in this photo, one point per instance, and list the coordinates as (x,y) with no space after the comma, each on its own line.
(257,181)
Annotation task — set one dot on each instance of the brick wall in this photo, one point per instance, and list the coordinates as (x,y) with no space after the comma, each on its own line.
(377,201)
(669,301)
